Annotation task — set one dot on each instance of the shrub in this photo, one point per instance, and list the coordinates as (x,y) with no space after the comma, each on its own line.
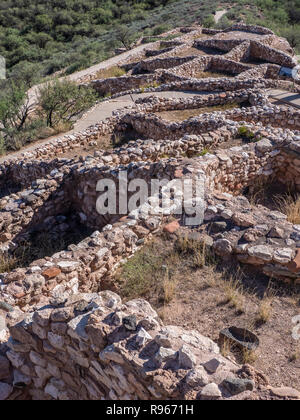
(160,29)
(62,100)
(14,115)
(247,134)
(208,22)
(2,146)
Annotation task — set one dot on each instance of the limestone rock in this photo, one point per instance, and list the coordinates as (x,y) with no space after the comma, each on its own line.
(210,392)
(197,377)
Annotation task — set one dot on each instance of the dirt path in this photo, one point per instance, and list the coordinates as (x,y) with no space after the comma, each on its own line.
(219,14)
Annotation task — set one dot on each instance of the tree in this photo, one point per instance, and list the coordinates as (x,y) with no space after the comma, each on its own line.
(62,100)
(14,113)
(123,35)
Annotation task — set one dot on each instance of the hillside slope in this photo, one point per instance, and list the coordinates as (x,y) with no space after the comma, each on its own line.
(41,37)
(75,34)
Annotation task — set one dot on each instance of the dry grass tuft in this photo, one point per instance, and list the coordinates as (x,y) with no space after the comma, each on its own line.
(291,207)
(7,263)
(234,291)
(114,71)
(199,259)
(225,347)
(169,287)
(264,312)
(257,190)
(248,356)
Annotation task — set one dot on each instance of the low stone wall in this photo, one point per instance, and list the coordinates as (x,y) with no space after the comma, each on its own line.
(213,84)
(70,338)
(240,53)
(193,65)
(186,39)
(210,31)
(257,236)
(118,84)
(21,174)
(261,51)
(30,285)
(189,68)
(256,29)
(277,116)
(225,64)
(153,53)
(258,50)
(157,104)
(24,172)
(162,63)
(172,43)
(224,45)
(81,264)
(159,128)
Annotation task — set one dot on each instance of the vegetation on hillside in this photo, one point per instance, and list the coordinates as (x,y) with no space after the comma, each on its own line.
(74,34)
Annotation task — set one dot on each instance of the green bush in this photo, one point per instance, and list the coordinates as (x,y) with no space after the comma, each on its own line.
(160,29)
(209,22)
(2,146)
(62,100)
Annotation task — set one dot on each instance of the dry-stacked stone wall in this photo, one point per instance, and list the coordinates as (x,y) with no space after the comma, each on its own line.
(223,172)
(94,347)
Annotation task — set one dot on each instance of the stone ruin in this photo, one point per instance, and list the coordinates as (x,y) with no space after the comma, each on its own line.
(65,333)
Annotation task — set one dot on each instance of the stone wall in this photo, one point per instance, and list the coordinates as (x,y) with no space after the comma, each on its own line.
(258,50)
(159,128)
(118,84)
(256,29)
(275,155)
(240,53)
(261,51)
(67,337)
(162,63)
(96,348)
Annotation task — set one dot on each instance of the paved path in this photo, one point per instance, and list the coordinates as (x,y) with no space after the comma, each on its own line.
(281,96)
(101,112)
(105,110)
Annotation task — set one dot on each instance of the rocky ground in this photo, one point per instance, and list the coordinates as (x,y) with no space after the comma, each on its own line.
(213,297)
